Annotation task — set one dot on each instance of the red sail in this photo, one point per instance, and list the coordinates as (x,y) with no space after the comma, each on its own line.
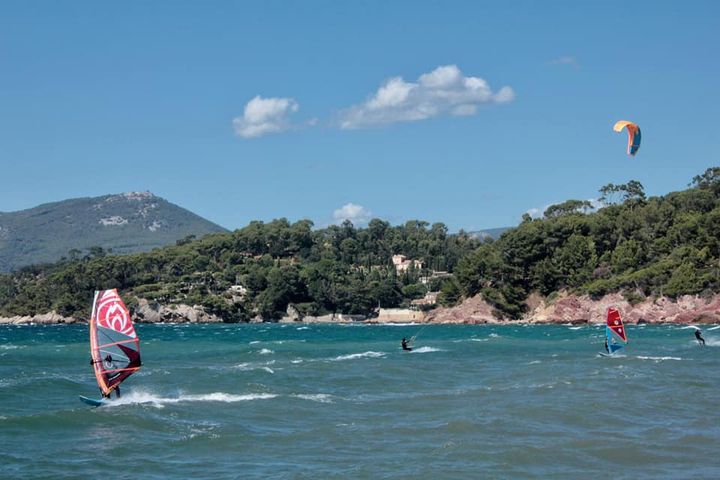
(615,323)
(114,345)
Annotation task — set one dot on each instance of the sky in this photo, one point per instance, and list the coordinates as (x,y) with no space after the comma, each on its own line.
(468,113)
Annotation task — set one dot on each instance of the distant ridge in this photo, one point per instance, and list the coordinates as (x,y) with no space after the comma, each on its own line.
(125,223)
(493,233)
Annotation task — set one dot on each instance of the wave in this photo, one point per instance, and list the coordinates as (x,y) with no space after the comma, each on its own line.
(713,328)
(315,397)
(657,359)
(574,328)
(265,351)
(139,397)
(427,350)
(353,356)
(9,347)
(246,367)
(302,328)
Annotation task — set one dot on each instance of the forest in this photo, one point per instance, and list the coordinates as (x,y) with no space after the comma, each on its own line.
(643,247)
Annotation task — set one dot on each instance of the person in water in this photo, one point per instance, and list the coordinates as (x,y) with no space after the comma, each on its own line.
(117,393)
(698,337)
(405,345)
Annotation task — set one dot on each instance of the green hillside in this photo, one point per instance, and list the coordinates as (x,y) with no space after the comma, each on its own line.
(125,223)
(642,247)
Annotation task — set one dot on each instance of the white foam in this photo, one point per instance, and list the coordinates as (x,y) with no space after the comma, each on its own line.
(9,347)
(296,361)
(139,397)
(315,397)
(658,359)
(574,328)
(353,356)
(687,327)
(494,335)
(245,367)
(265,351)
(303,328)
(534,362)
(713,328)
(254,342)
(427,350)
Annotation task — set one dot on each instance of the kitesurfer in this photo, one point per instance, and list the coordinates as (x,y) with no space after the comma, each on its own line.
(405,345)
(698,337)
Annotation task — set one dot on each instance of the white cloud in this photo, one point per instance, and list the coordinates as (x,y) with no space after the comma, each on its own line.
(444,91)
(265,115)
(357,214)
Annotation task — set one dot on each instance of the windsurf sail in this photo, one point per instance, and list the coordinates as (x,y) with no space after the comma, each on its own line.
(615,335)
(114,345)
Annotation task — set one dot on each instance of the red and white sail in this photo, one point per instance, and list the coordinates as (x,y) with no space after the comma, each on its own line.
(615,324)
(114,345)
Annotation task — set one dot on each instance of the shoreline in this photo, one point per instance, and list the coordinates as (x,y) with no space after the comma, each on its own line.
(562,309)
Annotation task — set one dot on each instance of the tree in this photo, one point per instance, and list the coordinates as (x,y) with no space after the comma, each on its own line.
(632,191)
(567,208)
(710,179)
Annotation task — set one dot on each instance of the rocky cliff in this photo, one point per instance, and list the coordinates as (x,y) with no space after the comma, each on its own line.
(565,308)
(568,308)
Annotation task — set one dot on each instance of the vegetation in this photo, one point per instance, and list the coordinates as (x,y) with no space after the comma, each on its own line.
(257,270)
(661,246)
(658,246)
(125,223)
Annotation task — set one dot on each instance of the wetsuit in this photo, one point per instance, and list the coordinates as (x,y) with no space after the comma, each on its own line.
(699,338)
(405,345)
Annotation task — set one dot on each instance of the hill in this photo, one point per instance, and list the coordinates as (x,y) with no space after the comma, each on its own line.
(493,233)
(124,223)
(643,250)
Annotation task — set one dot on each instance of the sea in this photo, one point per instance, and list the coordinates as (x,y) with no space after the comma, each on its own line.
(294,401)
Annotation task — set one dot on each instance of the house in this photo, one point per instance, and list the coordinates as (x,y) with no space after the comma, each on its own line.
(430,298)
(402,264)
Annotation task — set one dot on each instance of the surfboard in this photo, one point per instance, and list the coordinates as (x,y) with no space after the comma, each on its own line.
(92,402)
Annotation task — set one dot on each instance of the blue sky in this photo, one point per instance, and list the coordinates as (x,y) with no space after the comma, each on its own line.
(469,113)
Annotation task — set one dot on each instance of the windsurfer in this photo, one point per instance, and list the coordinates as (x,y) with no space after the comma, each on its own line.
(698,337)
(405,345)
(607,349)
(117,393)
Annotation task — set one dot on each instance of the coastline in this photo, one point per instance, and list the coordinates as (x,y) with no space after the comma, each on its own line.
(563,309)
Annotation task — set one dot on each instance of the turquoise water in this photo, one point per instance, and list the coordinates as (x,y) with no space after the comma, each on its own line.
(336,401)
